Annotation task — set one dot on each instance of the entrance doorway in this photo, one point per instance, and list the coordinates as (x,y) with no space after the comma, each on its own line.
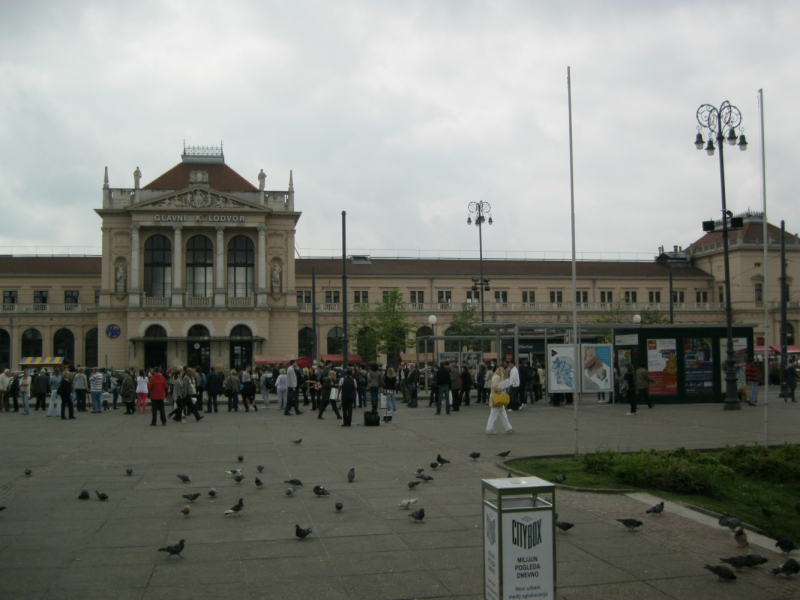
(241,349)
(199,349)
(155,351)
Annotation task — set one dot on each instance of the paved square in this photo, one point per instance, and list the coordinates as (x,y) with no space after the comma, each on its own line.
(53,545)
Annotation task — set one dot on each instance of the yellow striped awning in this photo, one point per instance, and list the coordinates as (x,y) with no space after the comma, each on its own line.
(42,360)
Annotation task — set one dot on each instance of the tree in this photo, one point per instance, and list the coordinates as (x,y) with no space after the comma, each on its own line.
(463,326)
(380,327)
(361,331)
(619,313)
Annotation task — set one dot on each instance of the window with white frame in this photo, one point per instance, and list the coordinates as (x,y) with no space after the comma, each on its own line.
(444,296)
(655,297)
(606,297)
(528,297)
(555,297)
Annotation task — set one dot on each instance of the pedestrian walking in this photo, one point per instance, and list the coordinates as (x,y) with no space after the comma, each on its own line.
(55,398)
(330,391)
(751,378)
(64,392)
(455,386)
(13,391)
(214,383)
(248,389)
(25,391)
(390,389)
(142,385)
(158,386)
(292,391)
(643,381)
(232,385)
(81,387)
(628,387)
(41,386)
(791,379)
(466,384)
(443,383)
(96,390)
(282,388)
(374,384)
(498,410)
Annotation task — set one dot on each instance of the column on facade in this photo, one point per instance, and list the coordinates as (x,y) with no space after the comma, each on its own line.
(261,294)
(219,287)
(177,263)
(133,275)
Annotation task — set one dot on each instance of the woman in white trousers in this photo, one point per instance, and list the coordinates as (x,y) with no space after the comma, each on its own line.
(499,383)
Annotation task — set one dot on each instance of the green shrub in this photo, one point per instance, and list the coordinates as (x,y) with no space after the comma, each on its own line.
(776,465)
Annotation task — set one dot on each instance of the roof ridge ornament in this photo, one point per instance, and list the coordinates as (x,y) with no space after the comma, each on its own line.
(203,154)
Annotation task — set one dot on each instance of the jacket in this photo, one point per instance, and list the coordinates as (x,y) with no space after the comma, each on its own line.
(466,380)
(498,386)
(80,382)
(390,383)
(55,382)
(232,384)
(643,378)
(41,384)
(443,377)
(158,387)
(282,382)
(213,383)
(374,378)
(64,390)
(291,377)
(751,372)
(413,377)
(177,388)
(455,379)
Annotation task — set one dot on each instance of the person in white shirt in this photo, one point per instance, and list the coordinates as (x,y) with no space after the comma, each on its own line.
(141,391)
(514,378)
(499,383)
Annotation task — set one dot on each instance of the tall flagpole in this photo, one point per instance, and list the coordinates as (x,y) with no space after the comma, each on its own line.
(576,351)
(765,298)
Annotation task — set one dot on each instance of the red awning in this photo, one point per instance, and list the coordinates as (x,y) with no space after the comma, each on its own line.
(775,350)
(352,359)
(304,362)
(263,359)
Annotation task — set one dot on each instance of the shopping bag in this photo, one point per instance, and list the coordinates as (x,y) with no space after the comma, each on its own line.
(383,401)
(499,400)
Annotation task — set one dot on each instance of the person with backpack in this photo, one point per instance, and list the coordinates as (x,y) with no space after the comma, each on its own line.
(347,393)
(128,392)
(265,383)
(330,393)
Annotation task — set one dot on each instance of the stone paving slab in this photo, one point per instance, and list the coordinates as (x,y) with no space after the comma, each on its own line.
(55,546)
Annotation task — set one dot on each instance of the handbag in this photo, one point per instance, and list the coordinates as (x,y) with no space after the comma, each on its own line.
(500,400)
(333,394)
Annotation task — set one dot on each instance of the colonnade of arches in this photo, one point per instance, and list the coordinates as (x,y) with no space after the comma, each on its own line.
(32,343)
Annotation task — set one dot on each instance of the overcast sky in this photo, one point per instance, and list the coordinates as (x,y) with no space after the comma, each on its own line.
(401,113)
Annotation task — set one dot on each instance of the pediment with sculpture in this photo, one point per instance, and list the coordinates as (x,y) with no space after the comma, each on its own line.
(194,198)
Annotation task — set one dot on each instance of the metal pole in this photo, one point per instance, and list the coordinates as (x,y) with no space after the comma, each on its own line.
(427,387)
(345,341)
(731,397)
(314,314)
(784,354)
(765,287)
(671,314)
(576,355)
(480,257)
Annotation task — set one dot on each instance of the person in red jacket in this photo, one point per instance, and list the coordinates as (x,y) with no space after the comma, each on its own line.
(158,391)
(751,377)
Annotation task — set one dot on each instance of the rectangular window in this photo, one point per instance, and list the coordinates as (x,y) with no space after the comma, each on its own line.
(417,297)
(555,297)
(701,296)
(655,297)
(473,296)
(630,296)
(97,297)
(606,297)
(362,297)
(677,297)
(445,297)
(299,297)
(529,297)
(71,296)
(581,296)
(759,292)
(332,297)
(40,296)
(501,296)
(721,294)
(10,297)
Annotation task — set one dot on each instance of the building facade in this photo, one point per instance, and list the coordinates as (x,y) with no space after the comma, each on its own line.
(198,267)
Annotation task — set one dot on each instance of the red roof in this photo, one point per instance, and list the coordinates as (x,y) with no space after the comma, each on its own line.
(220,177)
(752,232)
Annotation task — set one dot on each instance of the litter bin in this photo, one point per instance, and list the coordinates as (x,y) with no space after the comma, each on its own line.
(519,553)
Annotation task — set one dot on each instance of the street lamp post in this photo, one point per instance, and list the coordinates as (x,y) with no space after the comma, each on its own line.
(721,124)
(481,210)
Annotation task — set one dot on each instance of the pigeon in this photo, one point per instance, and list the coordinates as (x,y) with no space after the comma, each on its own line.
(260,468)
(84,495)
(560,478)
(724,573)
(434,465)
(510,475)
(294,482)
(657,509)
(474,455)
(418,515)
(504,454)
(767,513)
(2,508)
(420,469)
(339,506)
(733,523)
(421,476)
(241,458)
(440,460)
(413,484)
(173,550)
(186,510)
(297,442)
(212,492)
(741,537)
(129,471)
(102,495)
(738,562)
(238,478)
(234,510)
(789,568)
(351,474)
(192,497)
(406,504)
(564,526)
(631,524)
(184,478)
(426,478)
(785,545)
(234,472)
(301,533)
(321,491)
(754,560)
(290,492)
(259,483)
(723,520)
(28,472)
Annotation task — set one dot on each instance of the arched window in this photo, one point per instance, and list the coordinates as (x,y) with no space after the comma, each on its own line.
(200,267)
(198,331)
(451,346)
(305,342)
(90,349)
(155,351)
(64,345)
(241,266)
(155,331)
(199,350)
(157,267)
(5,350)
(31,343)
(335,336)
(241,349)
(241,331)
(421,332)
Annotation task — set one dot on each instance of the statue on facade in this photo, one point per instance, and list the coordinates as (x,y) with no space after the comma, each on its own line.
(137,177)
(262,178)
(276,278)
(121,278)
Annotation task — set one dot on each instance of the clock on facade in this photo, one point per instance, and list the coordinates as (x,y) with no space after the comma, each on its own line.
(113,331)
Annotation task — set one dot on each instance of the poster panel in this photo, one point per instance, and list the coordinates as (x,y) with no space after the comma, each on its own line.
(628,339)
(739,360)
(662,364)
(624,358)
(596,369)
(528,569)
(449,357)
(473,359)
(698,364)
(491,561)
(561,368)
